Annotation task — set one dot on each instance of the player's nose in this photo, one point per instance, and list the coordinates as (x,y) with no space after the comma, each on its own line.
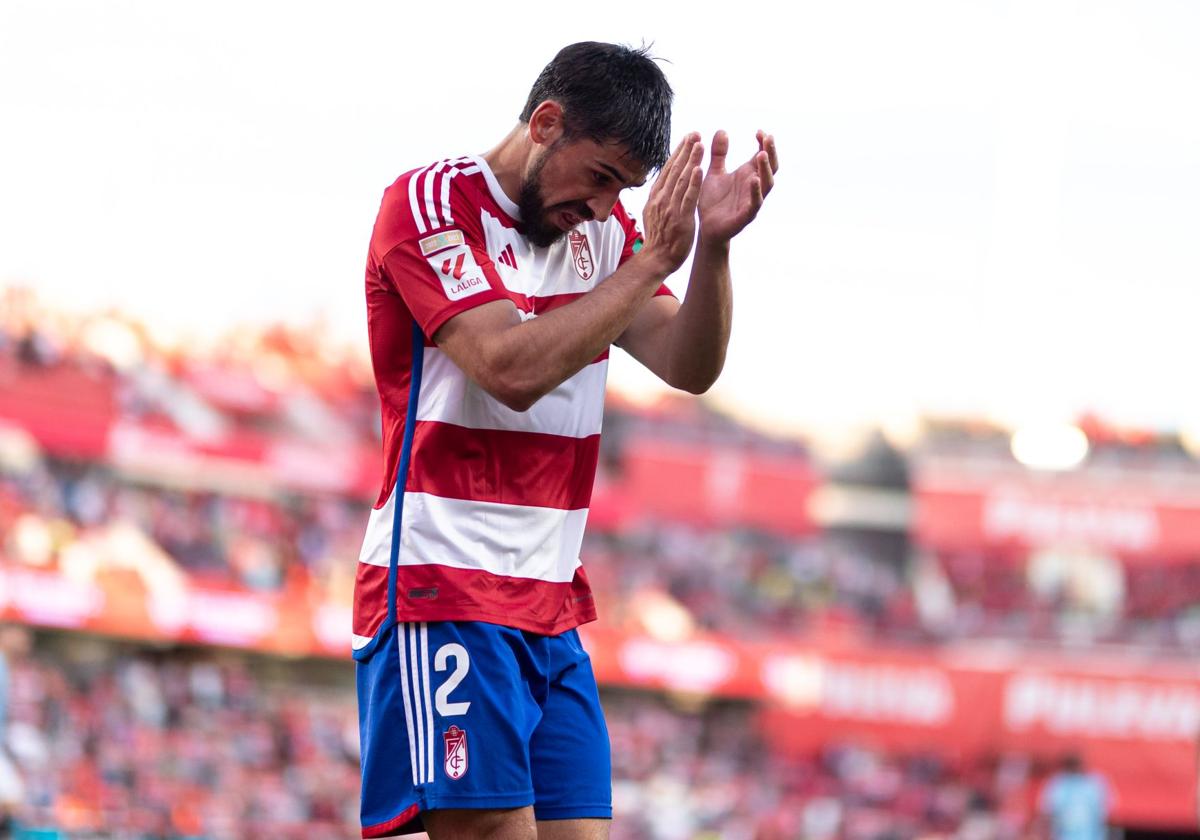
(601,208)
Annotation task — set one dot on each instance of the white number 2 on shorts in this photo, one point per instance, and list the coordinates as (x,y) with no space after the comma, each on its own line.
(462,664)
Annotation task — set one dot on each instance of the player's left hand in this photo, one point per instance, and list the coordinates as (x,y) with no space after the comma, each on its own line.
(730,200)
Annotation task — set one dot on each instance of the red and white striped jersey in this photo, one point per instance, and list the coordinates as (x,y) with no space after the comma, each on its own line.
(482,509)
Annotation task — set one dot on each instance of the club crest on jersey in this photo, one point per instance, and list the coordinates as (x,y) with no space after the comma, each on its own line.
(581,254)
(461,276)
(456,752)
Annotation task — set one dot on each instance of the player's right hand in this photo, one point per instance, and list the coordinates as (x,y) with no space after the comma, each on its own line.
(670,214)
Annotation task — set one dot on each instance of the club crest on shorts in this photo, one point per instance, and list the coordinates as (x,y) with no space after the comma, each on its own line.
(581,254)
(456,752)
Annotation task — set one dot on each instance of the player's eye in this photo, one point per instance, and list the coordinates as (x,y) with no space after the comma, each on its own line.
(600,178)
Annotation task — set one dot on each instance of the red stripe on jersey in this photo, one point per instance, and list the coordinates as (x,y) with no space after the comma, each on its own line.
(442,593)
(370,598)
(513,468)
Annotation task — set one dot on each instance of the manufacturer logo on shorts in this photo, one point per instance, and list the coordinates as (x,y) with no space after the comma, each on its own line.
(581,254)
(456,752)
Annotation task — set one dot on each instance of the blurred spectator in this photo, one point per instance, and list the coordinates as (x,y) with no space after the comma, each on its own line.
(1075,802)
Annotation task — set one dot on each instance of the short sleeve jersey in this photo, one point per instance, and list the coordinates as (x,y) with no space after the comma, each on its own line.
(482,509)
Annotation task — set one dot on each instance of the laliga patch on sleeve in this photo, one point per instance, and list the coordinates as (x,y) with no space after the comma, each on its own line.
(440,242)
(461,276)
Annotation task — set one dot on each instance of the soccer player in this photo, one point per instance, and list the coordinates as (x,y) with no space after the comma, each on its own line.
(495,287)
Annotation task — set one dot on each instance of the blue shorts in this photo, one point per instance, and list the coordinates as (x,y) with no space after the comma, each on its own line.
(463,714)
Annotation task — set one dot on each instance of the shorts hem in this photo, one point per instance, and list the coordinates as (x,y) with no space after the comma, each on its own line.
(478,801)
(450,613)
(396,825)
(573,812)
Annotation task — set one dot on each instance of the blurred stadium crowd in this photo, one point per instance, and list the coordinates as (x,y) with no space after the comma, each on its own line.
(111,740)
(745,582)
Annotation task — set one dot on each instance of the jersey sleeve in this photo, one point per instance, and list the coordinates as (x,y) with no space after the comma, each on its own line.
(633,241)
(435,260)
(442,278)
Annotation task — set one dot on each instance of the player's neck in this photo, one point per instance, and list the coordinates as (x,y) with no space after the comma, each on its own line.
(508,159)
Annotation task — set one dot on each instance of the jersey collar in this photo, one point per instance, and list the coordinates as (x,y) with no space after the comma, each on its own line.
(506,203)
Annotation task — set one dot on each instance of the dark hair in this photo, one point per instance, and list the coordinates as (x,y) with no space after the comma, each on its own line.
(609,93)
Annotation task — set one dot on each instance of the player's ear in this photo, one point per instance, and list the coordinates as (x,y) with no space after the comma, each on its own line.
(546,123)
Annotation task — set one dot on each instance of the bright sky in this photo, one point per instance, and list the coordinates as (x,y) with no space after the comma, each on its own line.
(984,207)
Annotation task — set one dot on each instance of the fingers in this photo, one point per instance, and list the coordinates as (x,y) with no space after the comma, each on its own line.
(766,161)
(766,175)
(720,148)
(668,176)
(664,174)
(691,195)
(688,171)
(767,144)
(756,195)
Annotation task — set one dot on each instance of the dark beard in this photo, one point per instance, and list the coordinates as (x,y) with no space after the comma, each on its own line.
(535,223)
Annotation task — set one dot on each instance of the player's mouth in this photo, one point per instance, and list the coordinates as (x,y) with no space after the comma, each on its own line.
(569,219)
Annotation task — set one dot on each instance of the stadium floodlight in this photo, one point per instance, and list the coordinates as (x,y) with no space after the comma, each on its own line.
(1189,436)
(1050,446)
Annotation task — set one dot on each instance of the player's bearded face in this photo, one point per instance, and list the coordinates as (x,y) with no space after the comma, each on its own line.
(537,220)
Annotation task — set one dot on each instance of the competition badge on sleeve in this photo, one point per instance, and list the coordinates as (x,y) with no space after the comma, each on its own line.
(581,254)
(461,276)
(456,752)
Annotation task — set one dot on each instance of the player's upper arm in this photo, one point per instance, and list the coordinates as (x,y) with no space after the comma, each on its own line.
(458,300)
(451,287)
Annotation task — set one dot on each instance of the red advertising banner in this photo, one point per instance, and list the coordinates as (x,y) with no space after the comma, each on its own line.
(245,462)
(67,411)
(719,486)
(967,509)
(1137,724)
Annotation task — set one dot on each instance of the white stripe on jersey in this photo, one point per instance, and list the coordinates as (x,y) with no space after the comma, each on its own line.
(413,204)
(514,540)
(573,409)
(446,179)
(421,187)
(401,632)
(430,207)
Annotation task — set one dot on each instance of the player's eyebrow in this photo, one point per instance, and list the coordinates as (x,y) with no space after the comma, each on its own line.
(612,170)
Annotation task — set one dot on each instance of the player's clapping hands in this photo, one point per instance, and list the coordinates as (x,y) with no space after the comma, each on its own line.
(726,201)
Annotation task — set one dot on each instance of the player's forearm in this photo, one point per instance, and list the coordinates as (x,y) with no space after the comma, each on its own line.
(533,358)
(699,332)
